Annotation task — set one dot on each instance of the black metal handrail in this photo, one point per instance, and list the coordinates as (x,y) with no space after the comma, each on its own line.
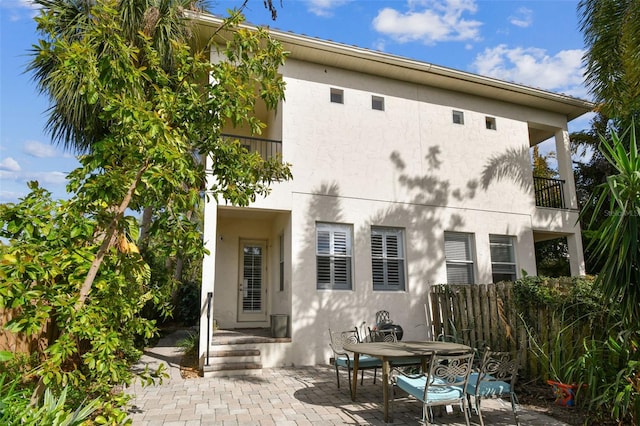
(267,148)
(209,297)
(549,192)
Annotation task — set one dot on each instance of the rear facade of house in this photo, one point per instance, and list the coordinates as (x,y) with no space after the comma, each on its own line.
(405,175)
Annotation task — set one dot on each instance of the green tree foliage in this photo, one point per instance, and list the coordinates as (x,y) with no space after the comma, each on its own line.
(589,175)
(541,167)
(617,236)
(50,251)
(71,270)
(611,30)
(611,366)
(552,258)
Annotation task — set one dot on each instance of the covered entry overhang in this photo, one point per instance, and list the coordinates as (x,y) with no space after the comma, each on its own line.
(245,271)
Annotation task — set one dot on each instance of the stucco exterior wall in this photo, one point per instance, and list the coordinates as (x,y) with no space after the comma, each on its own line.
(409,167)
(411,151)
(315,311)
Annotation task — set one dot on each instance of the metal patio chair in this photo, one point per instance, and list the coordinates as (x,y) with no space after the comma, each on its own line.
(344,359)
(496,379)
(444,384)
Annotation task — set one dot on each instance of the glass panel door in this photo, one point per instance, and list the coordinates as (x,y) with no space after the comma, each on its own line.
(252,287)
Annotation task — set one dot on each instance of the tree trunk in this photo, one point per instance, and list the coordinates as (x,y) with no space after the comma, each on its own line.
(108,242)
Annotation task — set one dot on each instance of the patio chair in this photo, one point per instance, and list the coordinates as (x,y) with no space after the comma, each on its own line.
(444,384)
(382,335)
(389,335)
(497,378)
(344,359)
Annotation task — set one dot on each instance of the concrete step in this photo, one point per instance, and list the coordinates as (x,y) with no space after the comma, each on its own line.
(231,352)
(231,373)
(231,356)
(228,368)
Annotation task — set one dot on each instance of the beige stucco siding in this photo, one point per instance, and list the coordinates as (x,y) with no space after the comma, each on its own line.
(410,152)
(407,167)
(424,227)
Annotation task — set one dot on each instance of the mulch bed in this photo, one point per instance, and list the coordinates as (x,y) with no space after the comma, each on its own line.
(539,397)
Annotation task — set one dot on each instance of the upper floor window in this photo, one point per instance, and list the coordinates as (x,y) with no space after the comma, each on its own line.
(458,251)
(387,258)
(377,102)
(333,256)
(337,96)
(458,117)
(503,258)
(490,122)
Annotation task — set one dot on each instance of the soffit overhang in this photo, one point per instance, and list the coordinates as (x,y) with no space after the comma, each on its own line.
(332,54)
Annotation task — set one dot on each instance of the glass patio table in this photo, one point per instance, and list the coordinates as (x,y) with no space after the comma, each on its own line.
(388,351)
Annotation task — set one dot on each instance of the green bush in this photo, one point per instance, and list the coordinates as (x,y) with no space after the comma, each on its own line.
(187,311)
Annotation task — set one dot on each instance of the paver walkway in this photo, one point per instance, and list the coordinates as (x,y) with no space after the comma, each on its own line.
(283,396)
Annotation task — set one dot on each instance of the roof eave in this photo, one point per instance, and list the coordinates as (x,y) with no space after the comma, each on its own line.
(329,53)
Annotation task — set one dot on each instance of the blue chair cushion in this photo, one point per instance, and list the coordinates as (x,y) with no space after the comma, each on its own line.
(365,361)
(415,387)
(487,388)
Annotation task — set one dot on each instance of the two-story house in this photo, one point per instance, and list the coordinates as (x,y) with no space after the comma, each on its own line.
(405,174)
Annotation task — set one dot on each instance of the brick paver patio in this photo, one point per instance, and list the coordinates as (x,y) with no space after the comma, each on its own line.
(285,396)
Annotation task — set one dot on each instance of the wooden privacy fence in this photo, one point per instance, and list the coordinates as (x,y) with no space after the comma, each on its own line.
(16,343)
(486,314)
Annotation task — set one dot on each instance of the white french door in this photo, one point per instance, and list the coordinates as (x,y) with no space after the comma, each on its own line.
(252,287)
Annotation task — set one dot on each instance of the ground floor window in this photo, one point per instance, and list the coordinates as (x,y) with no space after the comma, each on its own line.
(387,258)
(459,254)
(503,258)
(333,256)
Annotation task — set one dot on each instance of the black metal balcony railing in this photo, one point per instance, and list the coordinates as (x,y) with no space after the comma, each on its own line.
(549,192)
(267,148)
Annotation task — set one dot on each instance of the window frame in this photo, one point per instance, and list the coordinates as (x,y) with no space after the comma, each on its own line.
(490,123)
(460,114)
(379,100)
(386,260)
(512,252)
(469,262)
(336,96)
(332,257)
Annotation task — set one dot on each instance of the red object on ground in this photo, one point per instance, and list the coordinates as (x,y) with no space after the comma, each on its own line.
(565,394)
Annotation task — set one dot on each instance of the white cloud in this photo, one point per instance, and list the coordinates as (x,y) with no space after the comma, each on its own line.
(10,196)
(325,7)
(10,165)
(39,150)
(17,9)
(19,4)
(523,18)
(53,178)
(430,22)
(379,45)
(49,178)
(534,67)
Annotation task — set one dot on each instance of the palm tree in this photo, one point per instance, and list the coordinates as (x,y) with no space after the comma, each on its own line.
(73,122)
(611,30)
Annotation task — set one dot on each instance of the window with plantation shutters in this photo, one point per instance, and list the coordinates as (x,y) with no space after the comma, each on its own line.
(459,255)
(503,258)
(333,256)
(387,258)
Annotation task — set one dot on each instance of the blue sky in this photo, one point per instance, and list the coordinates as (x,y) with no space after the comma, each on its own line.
(535,43)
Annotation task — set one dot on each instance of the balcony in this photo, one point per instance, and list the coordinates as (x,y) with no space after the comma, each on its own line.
(267,148)
(549,192)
